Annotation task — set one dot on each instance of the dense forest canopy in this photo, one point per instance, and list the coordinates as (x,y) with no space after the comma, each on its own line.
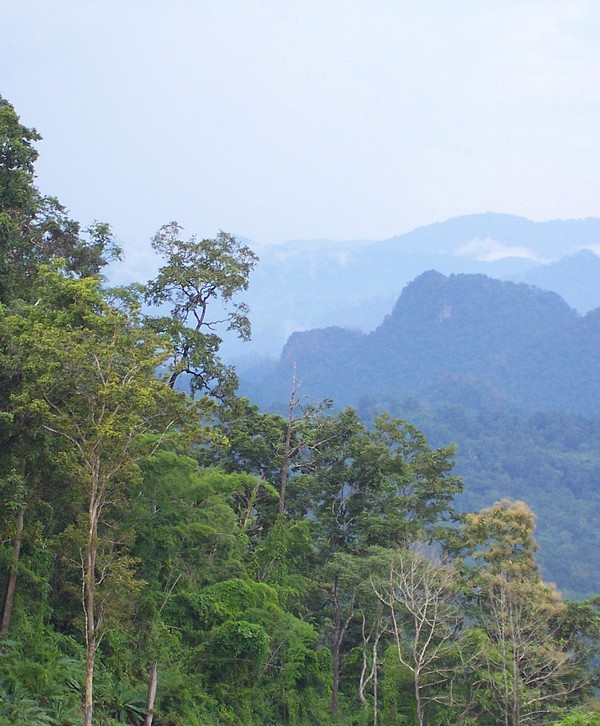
(195,560)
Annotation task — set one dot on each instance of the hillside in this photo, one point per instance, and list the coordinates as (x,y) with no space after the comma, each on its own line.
(506,371)
(517,345)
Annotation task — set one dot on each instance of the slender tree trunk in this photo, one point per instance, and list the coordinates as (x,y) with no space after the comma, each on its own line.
(12,574)
(516,693)
(419,700)
(335,648)
(338,637)
(285,472)
(89,595)
(375,686)
(152,683)
(287,453)
(365,677)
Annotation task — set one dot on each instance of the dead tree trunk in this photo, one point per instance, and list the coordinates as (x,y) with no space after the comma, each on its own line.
(287,452)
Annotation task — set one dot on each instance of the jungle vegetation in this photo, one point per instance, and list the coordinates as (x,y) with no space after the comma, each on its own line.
(185,558)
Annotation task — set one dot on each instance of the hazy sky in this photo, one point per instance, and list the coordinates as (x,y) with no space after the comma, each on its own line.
(282,119)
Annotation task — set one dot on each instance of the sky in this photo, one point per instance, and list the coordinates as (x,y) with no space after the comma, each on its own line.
(304,119)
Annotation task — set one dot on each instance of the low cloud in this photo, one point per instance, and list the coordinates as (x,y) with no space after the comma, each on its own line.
(489,250)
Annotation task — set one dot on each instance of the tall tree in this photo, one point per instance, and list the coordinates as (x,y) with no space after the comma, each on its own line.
(92,383)
(200,280)
(35,229)
(379,487)
(527,664)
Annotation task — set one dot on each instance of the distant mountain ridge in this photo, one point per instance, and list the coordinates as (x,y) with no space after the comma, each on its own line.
(302,285)
(518,345)
(542,240)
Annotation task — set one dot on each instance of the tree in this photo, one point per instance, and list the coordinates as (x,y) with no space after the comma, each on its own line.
(367,488)
(200,279)
(526,663)
(420,592)
(36,229)
(17,160)
(90,371)
(186,535)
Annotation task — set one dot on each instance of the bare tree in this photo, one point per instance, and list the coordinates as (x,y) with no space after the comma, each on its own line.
(371,638)
(420,593)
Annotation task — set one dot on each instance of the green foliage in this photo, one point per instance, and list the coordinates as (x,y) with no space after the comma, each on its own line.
(41,674)
(268,570)
(238,647)
(34,229)
(199,275)
(231,598)
(17,159)
(582,717)
(397,690)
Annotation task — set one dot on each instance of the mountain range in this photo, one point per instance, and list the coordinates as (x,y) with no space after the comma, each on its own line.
(450,339)
(301,285)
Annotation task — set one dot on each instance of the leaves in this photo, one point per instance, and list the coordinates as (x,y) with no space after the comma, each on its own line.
(200,279)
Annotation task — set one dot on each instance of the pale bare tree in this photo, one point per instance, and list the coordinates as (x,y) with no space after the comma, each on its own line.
(420,594)
(373,629)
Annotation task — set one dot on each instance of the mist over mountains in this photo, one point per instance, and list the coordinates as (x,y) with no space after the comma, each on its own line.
(453,338)
(302,285)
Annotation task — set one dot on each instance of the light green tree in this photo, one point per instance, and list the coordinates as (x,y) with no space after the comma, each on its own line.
(526,663)
(90,371)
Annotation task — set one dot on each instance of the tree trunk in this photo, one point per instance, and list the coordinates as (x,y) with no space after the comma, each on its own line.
(89,595)
(335,649)
(419,700)
(152,682)
(287,452)
(516,693)
(338,637)
(375,687)
(12,574)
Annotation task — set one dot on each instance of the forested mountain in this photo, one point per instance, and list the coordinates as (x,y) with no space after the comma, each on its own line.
(304,285)
(507,372)
(511,344)
(550,460)
(180,557)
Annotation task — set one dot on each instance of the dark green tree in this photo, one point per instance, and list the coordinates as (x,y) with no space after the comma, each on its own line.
(36,229)
(366,488)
